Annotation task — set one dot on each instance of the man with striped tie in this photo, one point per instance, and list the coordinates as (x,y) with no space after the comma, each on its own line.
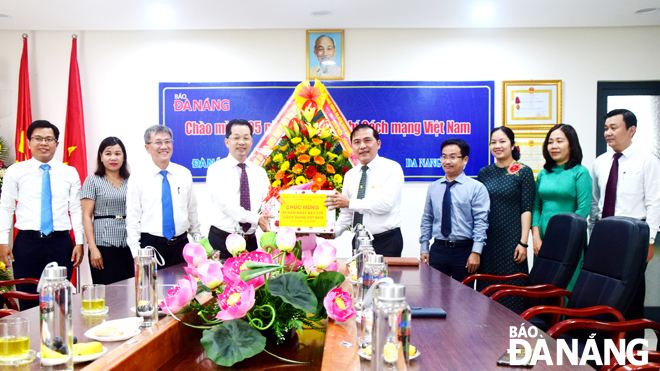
(43,193)
(371,195)
(161,207)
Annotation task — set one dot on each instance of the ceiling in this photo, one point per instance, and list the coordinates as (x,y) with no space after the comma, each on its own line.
(273,14)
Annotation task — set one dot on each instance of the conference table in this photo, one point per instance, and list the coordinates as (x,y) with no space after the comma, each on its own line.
(472,337)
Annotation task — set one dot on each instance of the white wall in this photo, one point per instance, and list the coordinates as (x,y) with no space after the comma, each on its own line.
(120,72)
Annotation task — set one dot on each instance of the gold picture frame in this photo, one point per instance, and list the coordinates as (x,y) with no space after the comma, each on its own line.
(322,63)
(531,104)
(530,144)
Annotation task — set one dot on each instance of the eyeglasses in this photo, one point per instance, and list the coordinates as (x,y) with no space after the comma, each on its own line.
(159,143)
(49,140)
(452,157)
(238,139)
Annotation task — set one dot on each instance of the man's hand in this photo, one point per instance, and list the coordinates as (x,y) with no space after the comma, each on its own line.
(337,201)
(424,258)
(520,254)
(77,255)
(264,223)
(648,257)
(95,257)
(473,262)
(4,252)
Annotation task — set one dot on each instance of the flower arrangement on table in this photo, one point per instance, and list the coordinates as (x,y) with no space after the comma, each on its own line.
(268,292)
(310,151)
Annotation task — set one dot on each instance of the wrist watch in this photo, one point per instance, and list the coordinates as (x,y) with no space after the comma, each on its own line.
(651,241)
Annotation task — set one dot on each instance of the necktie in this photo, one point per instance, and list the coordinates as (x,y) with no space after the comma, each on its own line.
(46,202)
(357,217)
(168,210)
(245,194)
(446,210)
(610,188)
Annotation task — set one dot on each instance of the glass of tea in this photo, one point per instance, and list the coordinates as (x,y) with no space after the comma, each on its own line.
(14,340)
(93,300)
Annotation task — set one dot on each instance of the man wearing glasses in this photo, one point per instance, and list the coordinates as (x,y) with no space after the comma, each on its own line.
(43,193)
(237,189)
(161,207)
(455,215)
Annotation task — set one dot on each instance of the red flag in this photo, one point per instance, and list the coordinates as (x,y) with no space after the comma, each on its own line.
(75,153)
(24,112)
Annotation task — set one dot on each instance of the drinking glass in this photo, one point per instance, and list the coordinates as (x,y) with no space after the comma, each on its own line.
(93,300)
(14,340)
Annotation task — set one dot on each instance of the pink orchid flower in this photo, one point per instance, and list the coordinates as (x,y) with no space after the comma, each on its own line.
(235,244)
(234,266)
(210,273)
(235,301)
(193,254)
(339,305)
(180,296)
(286,239)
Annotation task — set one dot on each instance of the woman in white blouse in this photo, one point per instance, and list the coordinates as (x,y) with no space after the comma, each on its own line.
(104,214)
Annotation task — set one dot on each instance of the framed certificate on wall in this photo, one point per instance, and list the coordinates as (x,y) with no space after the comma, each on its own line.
(531,105)
(530,145)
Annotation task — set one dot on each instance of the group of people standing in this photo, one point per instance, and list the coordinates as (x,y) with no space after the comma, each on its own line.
(490,218)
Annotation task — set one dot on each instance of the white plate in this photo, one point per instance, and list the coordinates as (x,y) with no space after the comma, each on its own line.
(89,357)
(368,358)
(52,361)
(127,335)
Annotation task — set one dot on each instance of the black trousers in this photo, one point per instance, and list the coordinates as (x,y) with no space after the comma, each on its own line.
(172,250)
(218,238)
(117,265)
(388,243)
(450,260)
(32,253)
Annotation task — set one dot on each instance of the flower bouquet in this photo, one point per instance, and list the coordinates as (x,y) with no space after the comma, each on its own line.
(269,292)
(310,151)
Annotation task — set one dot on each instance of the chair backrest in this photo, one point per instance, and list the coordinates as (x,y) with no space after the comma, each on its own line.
(613,264)
(564,241)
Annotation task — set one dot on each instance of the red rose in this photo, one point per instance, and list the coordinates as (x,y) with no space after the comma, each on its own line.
(326,186)
(273,168)
(291,155)
(303,130)
(310,171)
(344,170)
(514,168)
(328,145)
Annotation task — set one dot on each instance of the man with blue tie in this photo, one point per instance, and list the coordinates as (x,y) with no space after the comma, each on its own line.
(45,196)
(455,215)
(161,207)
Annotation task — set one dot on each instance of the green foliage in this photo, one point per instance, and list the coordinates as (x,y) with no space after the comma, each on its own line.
(207,246)
(231,342)
(293,289)
(321,285)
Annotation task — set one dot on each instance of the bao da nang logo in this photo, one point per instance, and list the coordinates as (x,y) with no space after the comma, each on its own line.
(522,353)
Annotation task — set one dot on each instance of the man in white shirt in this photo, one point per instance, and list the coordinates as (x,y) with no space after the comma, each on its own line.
(161,207)
(237,189)
(378,206)
(324,49)
(626,182)
(47,192)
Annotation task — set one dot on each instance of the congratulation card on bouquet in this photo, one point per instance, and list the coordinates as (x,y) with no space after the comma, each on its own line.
(304,211)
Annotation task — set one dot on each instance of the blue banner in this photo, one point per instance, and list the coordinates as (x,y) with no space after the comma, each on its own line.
(413,118)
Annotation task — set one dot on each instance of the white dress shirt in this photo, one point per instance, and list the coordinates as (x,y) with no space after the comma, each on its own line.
(144,210)
(224,181)
(22,183)
(638,186)
(381,205)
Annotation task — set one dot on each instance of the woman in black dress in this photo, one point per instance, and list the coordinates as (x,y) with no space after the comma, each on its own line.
(511,189)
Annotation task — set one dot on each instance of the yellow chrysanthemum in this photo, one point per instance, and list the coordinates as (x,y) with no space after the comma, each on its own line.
(284,148)
(275,148)
(296,140)
(314,152)
(277,183)
(346,154)
(285,165)
(278,157)
(338,178)
(301,180)
(332,155)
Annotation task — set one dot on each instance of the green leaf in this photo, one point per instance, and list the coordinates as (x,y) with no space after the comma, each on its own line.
(207,246)
(321,285)
(202,288)
(293,289)
(297,250)
(254,273)
(231,342)
(250,265)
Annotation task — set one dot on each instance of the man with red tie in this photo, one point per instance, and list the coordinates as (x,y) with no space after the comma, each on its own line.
(626,182)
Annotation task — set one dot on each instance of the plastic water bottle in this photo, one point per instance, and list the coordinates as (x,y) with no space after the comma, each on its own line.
(55,318)
(391,331)
(374,270)
(146,297)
